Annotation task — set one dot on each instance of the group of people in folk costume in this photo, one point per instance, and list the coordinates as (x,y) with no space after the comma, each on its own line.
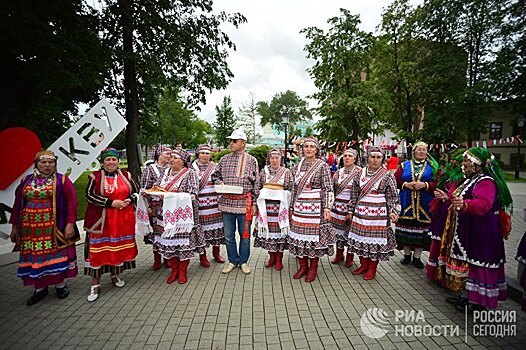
(303,210)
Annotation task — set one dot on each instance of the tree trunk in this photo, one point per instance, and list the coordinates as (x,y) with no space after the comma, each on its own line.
(409,122)
(131,96)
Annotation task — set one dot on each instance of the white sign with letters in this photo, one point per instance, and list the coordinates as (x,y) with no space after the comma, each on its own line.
(77,150)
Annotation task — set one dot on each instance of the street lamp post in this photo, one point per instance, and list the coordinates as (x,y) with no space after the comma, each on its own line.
(285,119)
(520,123)
(374,126)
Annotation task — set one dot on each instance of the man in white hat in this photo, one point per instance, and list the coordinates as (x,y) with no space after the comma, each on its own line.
(238,169)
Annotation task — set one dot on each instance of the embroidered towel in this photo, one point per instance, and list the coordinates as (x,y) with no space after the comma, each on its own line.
(178,216)
(283,217)
(142,222)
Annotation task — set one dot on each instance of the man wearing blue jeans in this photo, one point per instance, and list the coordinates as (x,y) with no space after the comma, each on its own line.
(239,170)
(235,258)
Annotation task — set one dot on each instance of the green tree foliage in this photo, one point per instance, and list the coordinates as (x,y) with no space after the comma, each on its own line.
(225,122)
(247,118)
(290,101)
(423,79)
(396,68)
(152,42)
(510,64)
(178,123)
(475,27)
(342,61)
(297,132)
(260,153)
(51,59)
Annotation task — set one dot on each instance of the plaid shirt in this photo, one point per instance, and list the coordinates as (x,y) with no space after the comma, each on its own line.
(149,178)
(227,172)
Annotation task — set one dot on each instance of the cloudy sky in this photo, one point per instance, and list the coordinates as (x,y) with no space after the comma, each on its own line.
(269,58)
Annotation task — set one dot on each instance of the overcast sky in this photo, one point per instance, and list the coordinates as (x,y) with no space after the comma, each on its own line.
(269,58)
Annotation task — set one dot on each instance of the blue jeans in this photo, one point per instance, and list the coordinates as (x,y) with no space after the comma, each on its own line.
(229,221)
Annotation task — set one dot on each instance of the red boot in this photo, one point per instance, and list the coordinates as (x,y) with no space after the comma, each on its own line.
(279,261)
(216,255)
(364,263)
(183,269)
(272,260)
(303,268)
(348,260)
(339,256)
(313,270)
(156,261)
(371,271)
(174,264)
(204,260)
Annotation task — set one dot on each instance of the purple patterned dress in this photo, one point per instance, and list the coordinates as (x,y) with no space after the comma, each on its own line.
(478,241)
(521,258)
(43,206)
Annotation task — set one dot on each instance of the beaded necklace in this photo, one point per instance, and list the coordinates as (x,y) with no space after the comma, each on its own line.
(368,173)
(41,181)
(110,188)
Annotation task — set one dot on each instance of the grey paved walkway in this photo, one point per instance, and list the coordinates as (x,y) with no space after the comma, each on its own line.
(266,309)
(518,191)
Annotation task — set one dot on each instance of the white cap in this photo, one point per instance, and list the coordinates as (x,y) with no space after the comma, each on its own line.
(238,135)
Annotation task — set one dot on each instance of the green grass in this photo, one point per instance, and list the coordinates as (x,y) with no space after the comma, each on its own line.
(511,178)
(80,187)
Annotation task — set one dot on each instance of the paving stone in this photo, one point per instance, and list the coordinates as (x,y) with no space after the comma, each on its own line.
(214,311)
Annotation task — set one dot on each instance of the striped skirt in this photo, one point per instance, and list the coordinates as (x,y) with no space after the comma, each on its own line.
(310,236)
(370,234)
(338,214)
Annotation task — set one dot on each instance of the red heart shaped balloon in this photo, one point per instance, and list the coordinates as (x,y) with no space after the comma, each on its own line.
(19,146)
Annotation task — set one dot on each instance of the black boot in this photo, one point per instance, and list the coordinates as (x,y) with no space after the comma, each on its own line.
(406,259)
(464,304)
(457,299)
(418,263)
(37,296)
(62,293)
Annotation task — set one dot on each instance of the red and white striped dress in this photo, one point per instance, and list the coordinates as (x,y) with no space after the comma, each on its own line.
(342,181)
(210,217)
(370,233)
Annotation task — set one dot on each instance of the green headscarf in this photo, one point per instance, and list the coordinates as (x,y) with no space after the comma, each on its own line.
(453,172)
(432,162)
(491,167)
(109,152)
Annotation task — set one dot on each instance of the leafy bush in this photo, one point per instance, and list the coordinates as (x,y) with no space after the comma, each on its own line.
(217,155)
(260,153)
